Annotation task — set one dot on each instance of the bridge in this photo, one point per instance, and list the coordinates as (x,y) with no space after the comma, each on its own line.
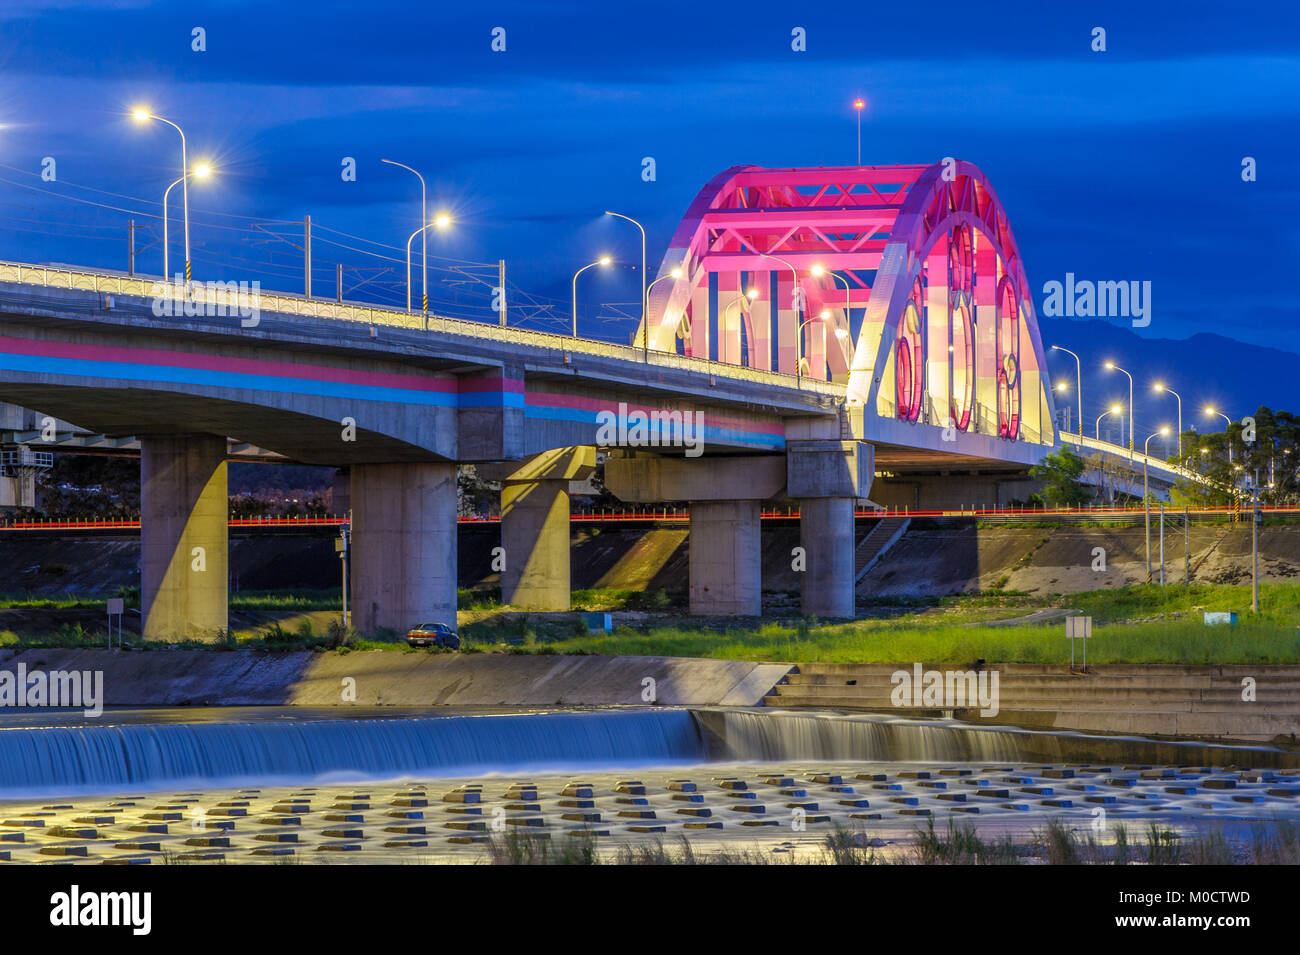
(746,383)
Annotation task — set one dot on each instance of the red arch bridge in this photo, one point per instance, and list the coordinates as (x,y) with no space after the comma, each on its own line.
(824,337)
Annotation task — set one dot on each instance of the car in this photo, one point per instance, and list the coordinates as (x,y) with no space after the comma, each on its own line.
(433,635)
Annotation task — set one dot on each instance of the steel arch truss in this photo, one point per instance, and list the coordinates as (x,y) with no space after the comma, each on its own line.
(905,282)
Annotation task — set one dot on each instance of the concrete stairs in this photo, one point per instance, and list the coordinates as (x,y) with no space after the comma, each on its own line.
(878,540)
(1156,699)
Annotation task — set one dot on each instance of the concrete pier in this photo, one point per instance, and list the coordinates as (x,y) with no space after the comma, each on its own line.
(725,496)
(826,535)
(827,477)
(536,573)
(726,558)
(183,536)
(403,545)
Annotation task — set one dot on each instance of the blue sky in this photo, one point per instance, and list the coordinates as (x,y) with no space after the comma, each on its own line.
(1117,165)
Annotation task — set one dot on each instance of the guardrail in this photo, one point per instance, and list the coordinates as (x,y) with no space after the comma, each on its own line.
(1136,457)
(25,457)
(677,515)
(227,296)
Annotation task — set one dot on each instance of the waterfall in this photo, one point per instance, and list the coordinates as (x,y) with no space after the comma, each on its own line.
(102,758)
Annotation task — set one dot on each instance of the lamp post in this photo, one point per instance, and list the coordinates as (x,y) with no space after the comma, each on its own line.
(645,323)
(143,115)
(1146,494)
(440,222)
(1162,388)
(644,289)
(748,296)
(1111,366)
(819,271)
(1078,378)
(424,244)
(1227,423)
(201,171)
(823,317)
(1114,409)
(798,292)
(857,108)
(603,260)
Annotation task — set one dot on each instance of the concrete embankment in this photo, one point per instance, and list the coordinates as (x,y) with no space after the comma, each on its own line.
(1246,701)
(382,677)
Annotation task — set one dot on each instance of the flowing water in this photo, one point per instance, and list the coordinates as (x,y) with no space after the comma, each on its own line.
(169,748)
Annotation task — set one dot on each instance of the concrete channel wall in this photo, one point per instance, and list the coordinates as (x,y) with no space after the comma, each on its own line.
(387,677)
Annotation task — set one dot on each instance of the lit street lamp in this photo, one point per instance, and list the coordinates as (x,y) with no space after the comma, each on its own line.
(441,221)
(645,321)
(1111,366)
(1227,436)
(603,260)
(857,108)
(1078,377)
(201,171)
(1114,409)
(1162,388)
(143,115)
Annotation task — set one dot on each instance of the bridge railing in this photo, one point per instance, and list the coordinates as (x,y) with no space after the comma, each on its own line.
(228,297)
(1137,457)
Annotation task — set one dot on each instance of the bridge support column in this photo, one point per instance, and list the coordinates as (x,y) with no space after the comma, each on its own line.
(725,496)
(535,526)
(403,545)
(184,513)
(827,536)
(827,477)
(726,558)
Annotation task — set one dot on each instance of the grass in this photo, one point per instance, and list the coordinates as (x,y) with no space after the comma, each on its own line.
(1275,842)
(1142,624)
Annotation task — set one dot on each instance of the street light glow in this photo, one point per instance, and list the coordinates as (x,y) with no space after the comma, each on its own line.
(140,114)
(676,273)
(441,221)
(604,260)
(202,171)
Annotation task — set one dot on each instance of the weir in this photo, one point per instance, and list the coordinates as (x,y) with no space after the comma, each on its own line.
(103,757)
(153,755)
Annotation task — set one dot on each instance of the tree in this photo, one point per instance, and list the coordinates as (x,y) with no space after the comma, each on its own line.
(1060,472)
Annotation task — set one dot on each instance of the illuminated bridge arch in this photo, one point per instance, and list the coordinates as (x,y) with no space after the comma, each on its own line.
(903,282)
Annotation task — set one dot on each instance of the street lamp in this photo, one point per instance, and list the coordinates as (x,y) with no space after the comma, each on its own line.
(1146,494)
(201,171)
(644,289)
(645,323)
(424,243)
(857,107)
(1227,435)
(1078,377)
(1162,388)
(441,221)
(744,296)
(603,260)
(1111,366)
(798,303)
(819,271)
(1114,409)
(142,115)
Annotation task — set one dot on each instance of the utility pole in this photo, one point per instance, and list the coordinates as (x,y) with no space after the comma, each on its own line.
(338,282)
(306,245)
(1187,545)
(130,247)
(501,286)
(1254,545)
(341,545)
(1162,545)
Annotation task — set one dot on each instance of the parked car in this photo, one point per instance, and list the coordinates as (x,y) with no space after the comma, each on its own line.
(433,635)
